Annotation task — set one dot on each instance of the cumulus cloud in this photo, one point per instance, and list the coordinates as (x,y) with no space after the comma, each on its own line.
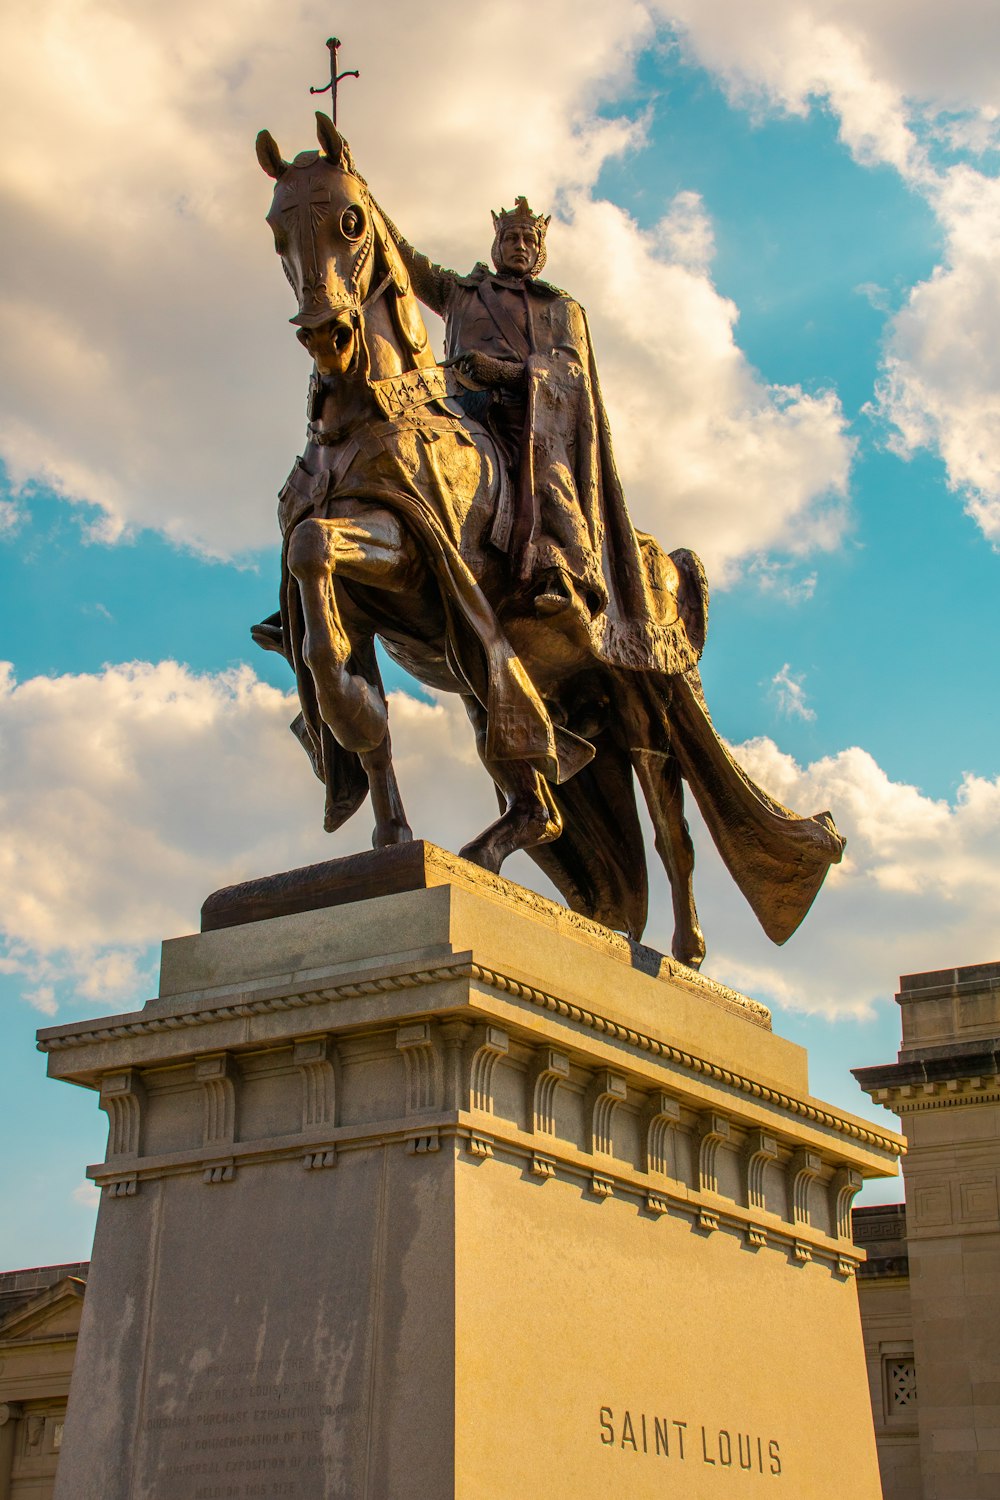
(685,232)
(894,75)
(911,86)
(917,890)
(131,794)
(136,791)
(941,383)
(146,358)
(147,363)
(710,456)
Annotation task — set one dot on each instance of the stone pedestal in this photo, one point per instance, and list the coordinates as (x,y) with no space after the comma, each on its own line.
(450,1193)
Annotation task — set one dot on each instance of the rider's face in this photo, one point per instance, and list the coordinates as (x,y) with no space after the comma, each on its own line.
(518,249)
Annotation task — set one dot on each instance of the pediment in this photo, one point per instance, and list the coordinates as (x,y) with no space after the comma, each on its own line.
(54,1312)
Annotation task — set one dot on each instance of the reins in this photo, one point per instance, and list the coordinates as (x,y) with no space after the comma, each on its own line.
(377,293)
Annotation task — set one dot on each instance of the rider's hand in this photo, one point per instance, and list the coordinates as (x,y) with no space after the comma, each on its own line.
(485,372)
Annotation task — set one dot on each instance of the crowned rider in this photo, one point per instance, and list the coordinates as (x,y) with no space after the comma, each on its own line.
(520,349)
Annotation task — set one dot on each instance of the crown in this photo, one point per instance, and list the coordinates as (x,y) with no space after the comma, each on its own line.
(521,216)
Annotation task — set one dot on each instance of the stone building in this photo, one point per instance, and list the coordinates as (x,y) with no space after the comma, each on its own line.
(930,1291)
(39,1322)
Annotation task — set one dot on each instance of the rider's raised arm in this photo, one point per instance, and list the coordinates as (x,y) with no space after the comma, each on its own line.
(432,283)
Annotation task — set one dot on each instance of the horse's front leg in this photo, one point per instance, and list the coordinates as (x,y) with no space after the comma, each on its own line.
(391,826)
(372,550)
(660,778)
(530,814)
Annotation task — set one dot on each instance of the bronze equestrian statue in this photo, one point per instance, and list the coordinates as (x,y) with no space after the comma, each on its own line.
(470,516)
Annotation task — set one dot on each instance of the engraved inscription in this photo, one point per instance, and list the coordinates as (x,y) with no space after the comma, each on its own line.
(658,1436)
(235,1438)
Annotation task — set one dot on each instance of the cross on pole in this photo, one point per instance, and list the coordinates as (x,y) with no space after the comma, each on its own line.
(331,88)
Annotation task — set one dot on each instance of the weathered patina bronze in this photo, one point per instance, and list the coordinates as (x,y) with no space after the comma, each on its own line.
(469,515)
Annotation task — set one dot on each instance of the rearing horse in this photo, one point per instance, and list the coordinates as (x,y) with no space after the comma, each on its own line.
(386,521)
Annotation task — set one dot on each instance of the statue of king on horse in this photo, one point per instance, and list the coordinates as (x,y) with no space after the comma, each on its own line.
(469,515)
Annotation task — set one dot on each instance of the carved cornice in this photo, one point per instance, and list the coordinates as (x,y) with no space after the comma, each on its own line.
(688,1060)
(950,1093)
(261,1003)
(550,1068)
(804,1167)
(123,1096)
(284,999)
(663,1115)
(713,1129)
(760,1149)
(606,1092)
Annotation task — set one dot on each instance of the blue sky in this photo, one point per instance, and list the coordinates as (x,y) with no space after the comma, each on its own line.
(785,254)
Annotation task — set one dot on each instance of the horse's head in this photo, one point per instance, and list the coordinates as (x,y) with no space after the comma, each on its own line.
(333,244)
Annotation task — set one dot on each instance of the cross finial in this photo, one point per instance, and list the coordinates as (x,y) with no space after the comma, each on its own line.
(331,88)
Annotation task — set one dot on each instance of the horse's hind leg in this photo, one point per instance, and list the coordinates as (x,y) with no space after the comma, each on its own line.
(530,815)
(660,778)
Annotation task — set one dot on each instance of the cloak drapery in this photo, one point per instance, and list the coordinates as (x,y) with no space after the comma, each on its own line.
(566,509)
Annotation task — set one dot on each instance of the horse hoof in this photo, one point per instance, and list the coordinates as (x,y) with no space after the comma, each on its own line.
(392,833)
(481,852)
(693,958)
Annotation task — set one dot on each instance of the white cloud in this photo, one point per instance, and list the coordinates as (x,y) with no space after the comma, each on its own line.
(782,580)
(789,695)
(941,387)
(137,791)
(909,84)
(710,456)
(894,74)
(686,234)
(918,888)
(43,999)
(129,795)
(148,364)
(87,1195)
(143,322)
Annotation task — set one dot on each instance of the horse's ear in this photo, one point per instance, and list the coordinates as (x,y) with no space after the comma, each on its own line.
(330,138)
(269,156)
